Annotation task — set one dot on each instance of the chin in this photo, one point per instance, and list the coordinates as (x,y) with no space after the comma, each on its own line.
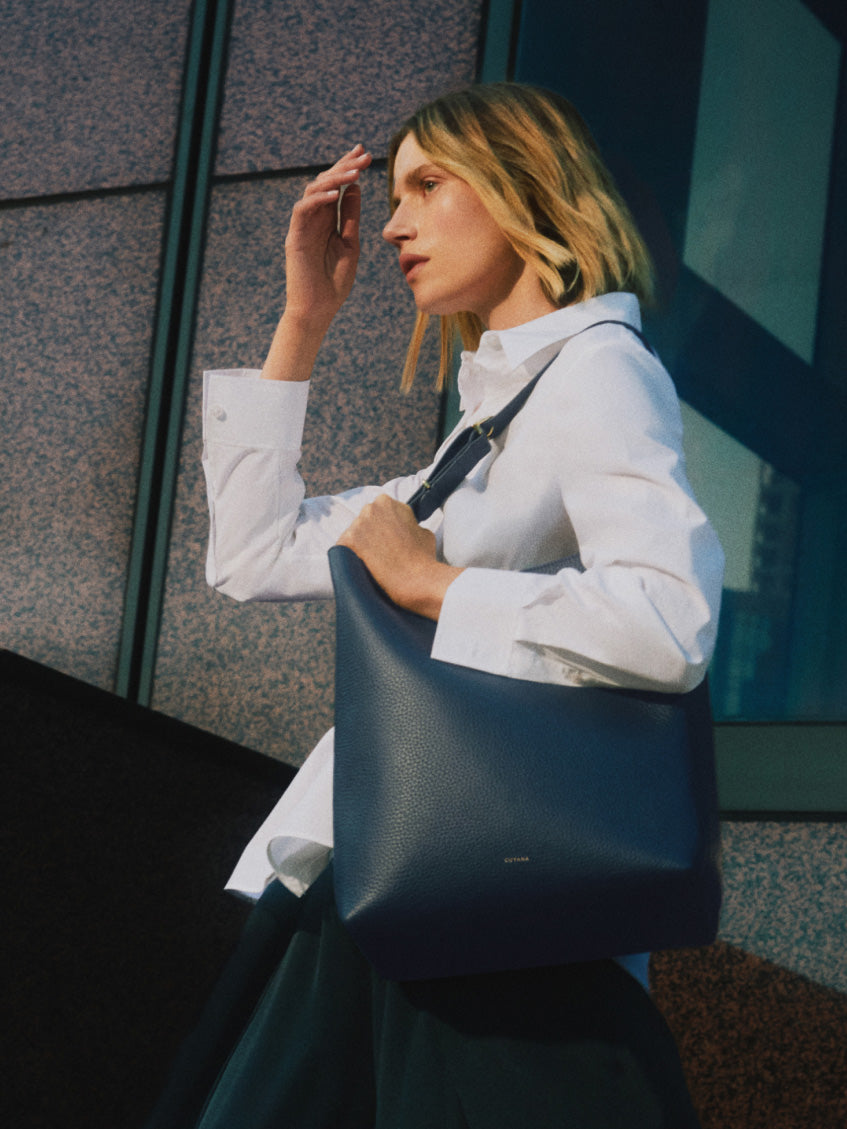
(437,308)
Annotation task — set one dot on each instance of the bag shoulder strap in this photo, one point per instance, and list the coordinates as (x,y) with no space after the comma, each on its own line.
(470,445)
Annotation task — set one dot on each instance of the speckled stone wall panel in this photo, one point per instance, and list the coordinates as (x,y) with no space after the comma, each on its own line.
(90,93)
(77,292)
(309,78)
(261,674)
(785,896)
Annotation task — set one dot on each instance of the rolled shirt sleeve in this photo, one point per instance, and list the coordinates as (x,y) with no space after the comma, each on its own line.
(267,541)
(606,428)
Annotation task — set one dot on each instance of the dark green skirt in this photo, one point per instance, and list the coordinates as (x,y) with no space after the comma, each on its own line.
(301,1033)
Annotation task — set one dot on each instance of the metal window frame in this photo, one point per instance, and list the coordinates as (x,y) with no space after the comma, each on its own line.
(182,257)
(763,768)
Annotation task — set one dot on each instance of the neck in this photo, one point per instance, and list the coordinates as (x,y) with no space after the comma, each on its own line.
(524,302)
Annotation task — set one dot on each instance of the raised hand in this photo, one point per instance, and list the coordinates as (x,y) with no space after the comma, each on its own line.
(322,245)
(321,255)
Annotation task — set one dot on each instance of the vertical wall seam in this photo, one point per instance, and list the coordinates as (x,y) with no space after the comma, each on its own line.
(182,255)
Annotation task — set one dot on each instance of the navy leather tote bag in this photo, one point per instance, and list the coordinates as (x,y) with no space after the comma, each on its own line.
(485,823)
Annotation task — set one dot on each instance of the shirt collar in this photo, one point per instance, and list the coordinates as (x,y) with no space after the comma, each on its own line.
(502,360)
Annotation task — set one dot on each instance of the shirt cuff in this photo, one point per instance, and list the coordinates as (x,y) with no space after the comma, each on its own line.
(297,862)
(241,409)
(295,841)
(479,617)
(483,625)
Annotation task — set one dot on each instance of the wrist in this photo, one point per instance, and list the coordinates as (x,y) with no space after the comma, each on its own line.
(294,348)
(305,324)
(428,589)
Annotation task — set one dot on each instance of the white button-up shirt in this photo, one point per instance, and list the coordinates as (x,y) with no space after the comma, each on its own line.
(592,464)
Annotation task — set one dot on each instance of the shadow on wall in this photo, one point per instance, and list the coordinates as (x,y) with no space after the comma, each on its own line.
(762,1047)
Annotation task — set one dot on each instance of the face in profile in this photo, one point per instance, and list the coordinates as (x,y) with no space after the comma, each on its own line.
(454,256)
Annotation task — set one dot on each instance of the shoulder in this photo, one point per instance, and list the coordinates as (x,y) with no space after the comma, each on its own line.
(609,373)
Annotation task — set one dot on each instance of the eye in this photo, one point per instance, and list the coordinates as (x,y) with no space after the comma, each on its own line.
(428,185)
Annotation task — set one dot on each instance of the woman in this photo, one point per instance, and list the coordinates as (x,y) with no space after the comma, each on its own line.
(509,229)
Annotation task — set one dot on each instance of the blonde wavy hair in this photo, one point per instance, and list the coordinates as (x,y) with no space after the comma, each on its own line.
(530,158)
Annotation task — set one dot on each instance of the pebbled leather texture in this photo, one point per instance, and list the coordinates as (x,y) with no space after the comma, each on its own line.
(485,823)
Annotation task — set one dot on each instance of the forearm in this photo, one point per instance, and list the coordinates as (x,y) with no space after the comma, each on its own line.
(614,626)
(294,349)
(267,541)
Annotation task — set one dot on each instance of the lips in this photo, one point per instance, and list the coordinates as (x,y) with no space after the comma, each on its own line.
(409,263)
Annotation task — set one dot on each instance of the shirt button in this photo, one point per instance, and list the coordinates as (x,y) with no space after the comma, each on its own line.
(218,413)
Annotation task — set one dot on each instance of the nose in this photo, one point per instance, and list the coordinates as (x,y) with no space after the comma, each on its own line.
(399,228)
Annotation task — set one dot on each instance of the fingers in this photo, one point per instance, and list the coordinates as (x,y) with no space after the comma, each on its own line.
(322,241)
(336,186)
(332,182)
(385,508)
(386,529)
(400,555)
